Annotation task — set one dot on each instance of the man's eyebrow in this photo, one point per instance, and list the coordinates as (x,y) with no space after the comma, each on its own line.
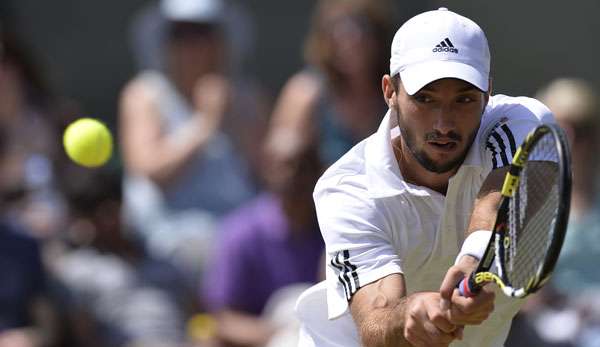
(468,88)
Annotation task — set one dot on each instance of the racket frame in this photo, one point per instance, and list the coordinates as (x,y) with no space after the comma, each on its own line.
(499,240)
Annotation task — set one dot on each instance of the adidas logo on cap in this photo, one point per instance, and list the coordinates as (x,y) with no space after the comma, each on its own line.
(445,46)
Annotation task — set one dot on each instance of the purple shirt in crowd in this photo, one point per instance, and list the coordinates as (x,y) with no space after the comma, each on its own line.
(257,254)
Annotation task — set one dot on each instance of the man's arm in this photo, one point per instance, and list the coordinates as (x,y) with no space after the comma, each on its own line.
(483,218)
(385,316)
(487,201)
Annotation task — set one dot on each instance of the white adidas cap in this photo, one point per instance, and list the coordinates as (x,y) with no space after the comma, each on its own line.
(196,11)
(440,44)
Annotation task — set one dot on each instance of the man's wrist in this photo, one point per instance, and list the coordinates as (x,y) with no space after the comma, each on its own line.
(474,245)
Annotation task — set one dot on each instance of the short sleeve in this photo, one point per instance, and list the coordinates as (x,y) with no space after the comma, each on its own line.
(509,122)
(359,249)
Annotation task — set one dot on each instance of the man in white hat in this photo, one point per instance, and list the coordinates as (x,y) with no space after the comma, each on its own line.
(395,209)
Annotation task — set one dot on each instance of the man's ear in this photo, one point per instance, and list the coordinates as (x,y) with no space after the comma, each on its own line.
(389,90)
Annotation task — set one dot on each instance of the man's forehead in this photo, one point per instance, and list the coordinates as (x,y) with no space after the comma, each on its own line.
(453,84)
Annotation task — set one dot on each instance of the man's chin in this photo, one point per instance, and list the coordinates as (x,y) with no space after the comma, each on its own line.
(440,167)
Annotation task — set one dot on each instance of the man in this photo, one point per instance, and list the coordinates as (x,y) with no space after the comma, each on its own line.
(394,210)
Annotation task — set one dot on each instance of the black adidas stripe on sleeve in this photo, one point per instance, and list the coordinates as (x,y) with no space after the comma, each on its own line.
(352,268)
(342,277)
(501,147)
(347,272)
(511,139)
(492,149)
(497,145)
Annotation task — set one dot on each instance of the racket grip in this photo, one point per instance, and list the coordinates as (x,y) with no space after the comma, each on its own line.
(467,286)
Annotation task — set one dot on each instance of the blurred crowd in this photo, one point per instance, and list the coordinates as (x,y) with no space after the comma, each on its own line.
(202,230)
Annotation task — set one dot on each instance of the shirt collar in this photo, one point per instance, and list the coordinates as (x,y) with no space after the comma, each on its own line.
(384,178)
(383,174)
(473,158)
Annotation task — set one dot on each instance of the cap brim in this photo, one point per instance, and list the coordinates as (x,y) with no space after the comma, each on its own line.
(418,76)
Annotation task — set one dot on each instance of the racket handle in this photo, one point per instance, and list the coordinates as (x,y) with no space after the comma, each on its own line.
(467,286)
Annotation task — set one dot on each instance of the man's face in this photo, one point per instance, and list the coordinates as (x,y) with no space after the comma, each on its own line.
(439,122)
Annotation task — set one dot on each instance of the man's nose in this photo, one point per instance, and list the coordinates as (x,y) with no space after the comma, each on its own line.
(445,122)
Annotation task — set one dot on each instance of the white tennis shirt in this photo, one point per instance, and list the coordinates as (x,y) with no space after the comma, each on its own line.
(374,223)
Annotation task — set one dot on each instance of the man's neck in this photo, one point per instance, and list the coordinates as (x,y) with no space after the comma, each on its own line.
(413,172)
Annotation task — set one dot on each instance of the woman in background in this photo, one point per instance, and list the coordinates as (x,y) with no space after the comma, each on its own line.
(338,94)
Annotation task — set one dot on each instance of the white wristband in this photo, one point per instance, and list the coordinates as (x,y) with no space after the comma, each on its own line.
(474,245)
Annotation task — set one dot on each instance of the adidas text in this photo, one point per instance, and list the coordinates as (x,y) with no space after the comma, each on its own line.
(445,49)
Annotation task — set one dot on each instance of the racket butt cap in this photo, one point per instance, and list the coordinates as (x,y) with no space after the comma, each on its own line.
(464,288)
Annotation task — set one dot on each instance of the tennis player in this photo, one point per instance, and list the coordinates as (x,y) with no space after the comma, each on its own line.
(395,210)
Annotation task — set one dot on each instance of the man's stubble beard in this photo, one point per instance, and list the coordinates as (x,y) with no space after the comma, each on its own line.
(422,157)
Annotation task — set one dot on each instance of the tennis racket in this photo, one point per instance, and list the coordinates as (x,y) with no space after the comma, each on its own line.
(532,219)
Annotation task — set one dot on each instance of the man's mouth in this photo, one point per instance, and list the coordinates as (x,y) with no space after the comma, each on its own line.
(443,145)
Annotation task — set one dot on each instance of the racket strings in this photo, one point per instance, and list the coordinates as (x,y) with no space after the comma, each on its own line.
(532,214)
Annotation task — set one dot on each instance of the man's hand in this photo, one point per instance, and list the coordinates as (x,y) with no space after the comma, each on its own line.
(386,316)
(460,310)
(426,324)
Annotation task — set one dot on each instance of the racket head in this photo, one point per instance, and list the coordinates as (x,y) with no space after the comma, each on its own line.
(532,220)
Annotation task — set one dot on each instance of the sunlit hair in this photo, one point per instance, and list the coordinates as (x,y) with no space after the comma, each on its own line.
(575,105)
(572,100)
(318,48)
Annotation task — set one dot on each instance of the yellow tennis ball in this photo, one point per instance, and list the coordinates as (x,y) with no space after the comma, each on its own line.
(88,142)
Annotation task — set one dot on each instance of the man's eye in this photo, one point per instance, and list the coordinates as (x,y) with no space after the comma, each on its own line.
(422,98)
(465,99)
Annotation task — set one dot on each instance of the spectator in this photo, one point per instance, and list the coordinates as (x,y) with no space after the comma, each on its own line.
(567,311)
(188,135)
(338,94)
(576,107)
(118,296)
(31,147)
(269,243)
(27,317)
